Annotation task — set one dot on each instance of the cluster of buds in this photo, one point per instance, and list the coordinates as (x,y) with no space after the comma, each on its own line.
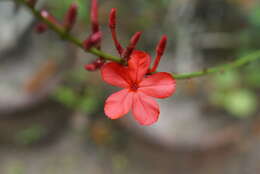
(126,53)
(94,39)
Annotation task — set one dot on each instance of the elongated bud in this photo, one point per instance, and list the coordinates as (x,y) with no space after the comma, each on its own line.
(134,40)
(161,46)
(92,40)
(31,3)
(94,16)
(41,28)
(112,26)
(95,65)
(70,17)
(159,51)
(112,18)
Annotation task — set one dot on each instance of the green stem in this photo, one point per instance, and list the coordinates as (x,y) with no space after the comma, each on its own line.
(221,68)
(67,36)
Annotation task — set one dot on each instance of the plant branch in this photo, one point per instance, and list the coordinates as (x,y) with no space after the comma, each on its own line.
(67,36)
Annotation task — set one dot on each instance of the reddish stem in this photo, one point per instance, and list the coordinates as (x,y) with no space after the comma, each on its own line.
(112,26)
(135,38)
(159,52)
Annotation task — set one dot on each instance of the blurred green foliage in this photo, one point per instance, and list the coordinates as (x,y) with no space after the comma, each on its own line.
(30,135)
(241,102)
(15,167)
(229,94)
(79,93)
(254,16)
(238,91)
(67,96)
(89,102)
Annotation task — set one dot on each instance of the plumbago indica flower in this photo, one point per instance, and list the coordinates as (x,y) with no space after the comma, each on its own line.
(140,88)
(141,84)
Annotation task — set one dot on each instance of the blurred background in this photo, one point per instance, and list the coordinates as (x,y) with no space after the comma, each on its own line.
(51,109)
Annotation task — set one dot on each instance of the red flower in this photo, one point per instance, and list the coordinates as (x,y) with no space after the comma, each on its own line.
(139,88)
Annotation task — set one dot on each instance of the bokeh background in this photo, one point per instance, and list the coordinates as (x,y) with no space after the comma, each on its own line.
(51,109)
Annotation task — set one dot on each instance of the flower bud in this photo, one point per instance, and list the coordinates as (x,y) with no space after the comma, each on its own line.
(112,18)
(159,50)
(161,46)
(95,65)
(135,38)
(70,17)
(92,40)
(94,16)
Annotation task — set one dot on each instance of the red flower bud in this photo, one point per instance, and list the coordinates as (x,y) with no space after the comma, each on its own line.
(112,26)
(159,50)
(112,18)
(92,40)
(90,67)
(135,38)
(70,17)
(94,16)
(161,46)
(41,28)
(95,65)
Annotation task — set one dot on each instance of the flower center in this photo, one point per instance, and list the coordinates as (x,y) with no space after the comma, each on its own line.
(134,87)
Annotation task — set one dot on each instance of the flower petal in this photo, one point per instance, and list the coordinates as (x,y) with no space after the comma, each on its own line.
(159,85)
(138,65)
(145,109)
(118,104)
(115,74)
